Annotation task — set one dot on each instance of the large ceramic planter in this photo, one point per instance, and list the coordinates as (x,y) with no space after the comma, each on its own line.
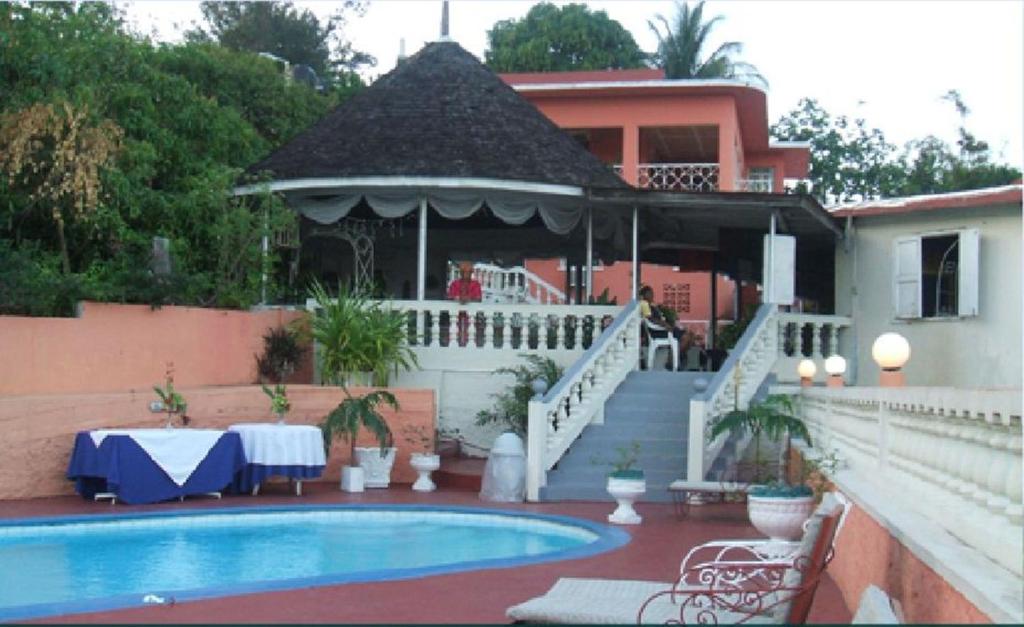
(625,492)
(424,464)
(377,468)
(780,518)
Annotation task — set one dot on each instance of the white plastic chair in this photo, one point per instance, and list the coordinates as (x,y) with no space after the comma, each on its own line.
(654,343)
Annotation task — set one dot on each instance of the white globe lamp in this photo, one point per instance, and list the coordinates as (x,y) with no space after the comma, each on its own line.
(835,366)
(806,369)
(891,351)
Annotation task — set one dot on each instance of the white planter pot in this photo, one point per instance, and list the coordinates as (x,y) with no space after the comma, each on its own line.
(377,468)
(352,479)
(625,492)
(780,518)
(424,464)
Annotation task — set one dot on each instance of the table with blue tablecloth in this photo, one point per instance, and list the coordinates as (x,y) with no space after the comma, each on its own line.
(151,465)
(292,451)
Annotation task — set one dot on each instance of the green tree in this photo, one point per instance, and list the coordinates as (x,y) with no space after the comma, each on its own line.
(177,125)
(554,39)
(849,160)
(682,40)
(283,30)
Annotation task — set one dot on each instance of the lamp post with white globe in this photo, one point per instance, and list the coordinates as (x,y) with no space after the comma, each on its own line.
(891,351)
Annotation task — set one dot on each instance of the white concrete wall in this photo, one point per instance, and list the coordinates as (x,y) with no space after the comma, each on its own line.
(982,351)
(464,383)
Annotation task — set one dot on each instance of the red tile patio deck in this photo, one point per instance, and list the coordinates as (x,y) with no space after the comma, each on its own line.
(471,597)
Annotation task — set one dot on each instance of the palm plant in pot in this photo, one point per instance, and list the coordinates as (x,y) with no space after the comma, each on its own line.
(345,420)
(776,509)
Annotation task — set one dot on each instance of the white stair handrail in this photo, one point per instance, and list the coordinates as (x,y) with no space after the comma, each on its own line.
(516,284)
(735,383)
(577,400)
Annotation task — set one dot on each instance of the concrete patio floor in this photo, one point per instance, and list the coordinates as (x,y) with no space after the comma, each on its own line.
(470,597)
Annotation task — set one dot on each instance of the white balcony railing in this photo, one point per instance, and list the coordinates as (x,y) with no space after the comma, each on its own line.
(806,336)
(955,454)
(512,285)
(678,177)
(755,185)
(578,398)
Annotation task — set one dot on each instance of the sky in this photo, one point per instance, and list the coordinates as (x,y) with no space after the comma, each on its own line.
(886,61)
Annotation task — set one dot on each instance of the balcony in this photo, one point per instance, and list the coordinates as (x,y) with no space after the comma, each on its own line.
(676,177)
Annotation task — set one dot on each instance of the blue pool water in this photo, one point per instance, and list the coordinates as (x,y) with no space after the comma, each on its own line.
(59,566)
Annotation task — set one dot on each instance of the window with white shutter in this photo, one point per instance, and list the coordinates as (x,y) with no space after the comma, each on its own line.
(936,275)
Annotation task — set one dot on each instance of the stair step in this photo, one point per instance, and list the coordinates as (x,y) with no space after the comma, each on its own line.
(654,494)
(669,457)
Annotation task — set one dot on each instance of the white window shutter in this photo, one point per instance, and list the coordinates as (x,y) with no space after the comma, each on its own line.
(967,273)
(906,281)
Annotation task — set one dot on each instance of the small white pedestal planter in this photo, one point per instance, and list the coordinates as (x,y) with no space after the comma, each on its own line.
(352,479)
(780,518)
(424,464)
(377,468)
(625,492)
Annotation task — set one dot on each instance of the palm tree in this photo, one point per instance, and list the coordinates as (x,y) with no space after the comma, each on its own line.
(680,43)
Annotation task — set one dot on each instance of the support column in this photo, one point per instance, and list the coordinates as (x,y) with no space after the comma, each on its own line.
(421,254)
(589,275)
(631,154)
(266,255)
(635,281)
(713,326)
(768,288)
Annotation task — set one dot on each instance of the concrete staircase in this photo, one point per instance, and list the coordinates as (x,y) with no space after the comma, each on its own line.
(650,408)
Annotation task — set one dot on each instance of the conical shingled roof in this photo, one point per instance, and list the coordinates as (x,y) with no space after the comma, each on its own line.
(441,113)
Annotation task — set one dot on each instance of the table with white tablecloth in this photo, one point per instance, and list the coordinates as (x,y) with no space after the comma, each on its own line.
(292,451)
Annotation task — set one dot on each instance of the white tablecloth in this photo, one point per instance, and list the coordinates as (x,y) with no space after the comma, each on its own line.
(177,451)
(281,445)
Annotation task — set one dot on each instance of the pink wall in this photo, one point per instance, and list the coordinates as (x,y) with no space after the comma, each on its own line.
(769,160)
(866,553)
(113,348)
(39,430)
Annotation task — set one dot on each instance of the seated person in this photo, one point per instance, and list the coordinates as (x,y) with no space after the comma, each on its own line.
(653,315)
(465,289)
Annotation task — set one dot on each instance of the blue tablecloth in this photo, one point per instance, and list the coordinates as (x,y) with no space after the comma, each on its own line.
(119,465)
(293,451)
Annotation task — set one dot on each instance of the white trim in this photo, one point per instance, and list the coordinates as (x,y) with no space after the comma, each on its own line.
(903,201)
(659,84)
(409,181)
(789,144)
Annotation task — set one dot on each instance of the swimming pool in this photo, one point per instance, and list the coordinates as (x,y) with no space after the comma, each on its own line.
(75,564)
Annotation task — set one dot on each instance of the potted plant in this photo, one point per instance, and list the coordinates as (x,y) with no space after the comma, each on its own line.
(171,401)
(368,467)
(279,403)
(626,484)
(423,462)
(776,509)
(511,407)
(282,352)
(358,338)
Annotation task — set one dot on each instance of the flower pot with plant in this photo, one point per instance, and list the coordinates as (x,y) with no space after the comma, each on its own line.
(368,467)
(279,403)
(626,484)
(776,509)
(172,402)
(283,351)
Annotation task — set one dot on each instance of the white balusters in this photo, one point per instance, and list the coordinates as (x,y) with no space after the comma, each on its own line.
(958,452)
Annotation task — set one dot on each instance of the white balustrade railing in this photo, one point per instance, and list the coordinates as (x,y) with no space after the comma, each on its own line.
(764,185)
(678,177)
(807,336)
(512,285)
(557,419)
(449,326)
(955,453)
(732,386)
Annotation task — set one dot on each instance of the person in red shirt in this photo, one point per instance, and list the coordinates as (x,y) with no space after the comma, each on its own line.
(465,289)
